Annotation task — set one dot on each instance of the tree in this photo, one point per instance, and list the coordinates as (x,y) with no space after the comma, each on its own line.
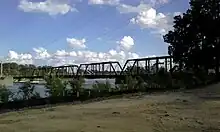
(55,86)
(28,92)
(76,84)
(5,94)
(194,42)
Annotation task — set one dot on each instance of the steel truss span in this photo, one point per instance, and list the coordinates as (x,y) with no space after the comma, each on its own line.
(111,69)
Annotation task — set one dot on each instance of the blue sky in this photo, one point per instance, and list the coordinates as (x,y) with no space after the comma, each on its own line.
(78,31)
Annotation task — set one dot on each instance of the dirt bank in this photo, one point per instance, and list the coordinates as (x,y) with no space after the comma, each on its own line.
(191,111)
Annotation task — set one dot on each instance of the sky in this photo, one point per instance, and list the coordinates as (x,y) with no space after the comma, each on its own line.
(63,32)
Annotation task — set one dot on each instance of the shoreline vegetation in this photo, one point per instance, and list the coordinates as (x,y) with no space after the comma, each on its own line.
(58,92)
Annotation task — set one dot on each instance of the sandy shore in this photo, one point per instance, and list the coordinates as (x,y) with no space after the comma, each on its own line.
(191,111)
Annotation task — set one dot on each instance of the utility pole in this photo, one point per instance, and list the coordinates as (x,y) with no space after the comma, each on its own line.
(1,75)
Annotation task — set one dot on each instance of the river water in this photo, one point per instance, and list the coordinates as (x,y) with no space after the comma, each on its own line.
(40,88)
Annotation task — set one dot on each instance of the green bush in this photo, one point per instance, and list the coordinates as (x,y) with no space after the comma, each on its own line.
(55,86)
(132,84)
(27,91)
(5,94)
(76,84)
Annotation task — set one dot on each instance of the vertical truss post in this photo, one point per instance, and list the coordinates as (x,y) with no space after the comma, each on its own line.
(146,65)
(99,69)
(96,69)
(92,68)
(157,65)
(137,68)
(149,70)
(171,65)
(110,68)
(63,70)
(103,69)
(166,64)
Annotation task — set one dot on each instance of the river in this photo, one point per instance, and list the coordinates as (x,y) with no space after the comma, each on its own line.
(40,88)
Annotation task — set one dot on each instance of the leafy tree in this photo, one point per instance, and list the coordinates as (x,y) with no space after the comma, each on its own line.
(5,94)
(15,69)
(76,84)
(194,42)
(55,86)
(28,92)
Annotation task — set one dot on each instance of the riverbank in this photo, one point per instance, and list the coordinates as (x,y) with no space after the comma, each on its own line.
(191,110)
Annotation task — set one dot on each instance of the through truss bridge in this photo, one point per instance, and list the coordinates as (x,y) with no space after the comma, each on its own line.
(111,69)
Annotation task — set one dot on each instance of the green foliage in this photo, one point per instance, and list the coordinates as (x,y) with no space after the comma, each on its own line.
(76,84)
(16,69)
(55,86)
(130,82)
(5,94)
(162,78)
(27,91)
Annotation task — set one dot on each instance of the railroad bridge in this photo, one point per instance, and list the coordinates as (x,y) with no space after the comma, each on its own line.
(111,69)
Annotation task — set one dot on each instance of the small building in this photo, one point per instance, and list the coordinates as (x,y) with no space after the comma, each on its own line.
(6,81)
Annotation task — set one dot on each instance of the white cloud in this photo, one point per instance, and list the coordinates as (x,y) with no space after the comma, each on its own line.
(76,43)
(147,16)
(23,58)
(62,57)
(132,55)
(104,2)
(160,22)
(157,2)
(177,14)
(123,8)
(126,43)
(52,7)
(41,53)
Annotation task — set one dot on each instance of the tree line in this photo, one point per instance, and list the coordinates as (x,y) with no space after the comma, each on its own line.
(15,69)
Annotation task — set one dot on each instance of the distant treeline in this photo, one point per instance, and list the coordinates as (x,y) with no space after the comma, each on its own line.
(18,69)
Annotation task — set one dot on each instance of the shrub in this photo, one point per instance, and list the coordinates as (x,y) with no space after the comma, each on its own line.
(130,82)
(76,84)
(102,89)
(27,91)
(5,94)
(55,86)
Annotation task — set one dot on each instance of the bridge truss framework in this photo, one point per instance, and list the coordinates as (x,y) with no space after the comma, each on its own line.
(111,69)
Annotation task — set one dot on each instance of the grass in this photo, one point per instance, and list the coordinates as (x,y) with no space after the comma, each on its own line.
(167,112)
